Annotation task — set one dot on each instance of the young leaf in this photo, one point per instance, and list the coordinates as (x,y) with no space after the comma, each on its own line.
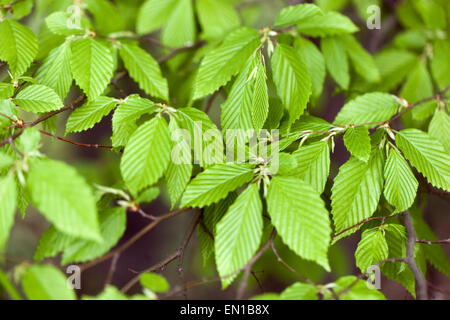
(304,226)
(46,283)
(370,107)
(371,249)
(439,128)
(89,114)
(144,70)
(55,71)
(358,290)
(260,99)
(299,291)
(58,23)
(6,90)
(400,184)
(180,27)
(357,142)
(147,155)
(439,64)
(154,282)
(64,198)
(329,24)
(336,60)
(38,98)
(427,155)
(224,62)
(238,234)
(215,183)
(8,194)
(217,17)
(104,8)
(92,66)
(356,191)
(292,80)
(19,46)
(296,14)
(313,164)
(153,14)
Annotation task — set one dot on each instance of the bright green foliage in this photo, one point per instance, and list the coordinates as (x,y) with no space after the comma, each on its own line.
(357,142)
(154,282)
(217,17)
(439,128)
(112,293)
(46,283)
(359,290)
(238,234)
(64,198)
(400,184)
(296,14)
(146,155)
(371,249)
(303,225)
(336,60)
(38,98)
(427,155)
(299,291)
(8,195)
(329,24)
(91,65)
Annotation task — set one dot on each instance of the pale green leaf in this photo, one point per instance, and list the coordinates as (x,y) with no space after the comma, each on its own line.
(38,98)
(180,27)
(153,14)
(296,14)
(400,183)
(215,183)
(439,64)
(357,142)
(304,226)
(217,17)
(61,23)
(86,116)
(260,99)
(6,90)
(336,60)
(329,24)
(371,249)
(8,194)
(64,198)
(439,128)
(292,80)
(299,291)
(427,155)
(107,17)
(147,155)
(238,234)
(154,282)
(358,290)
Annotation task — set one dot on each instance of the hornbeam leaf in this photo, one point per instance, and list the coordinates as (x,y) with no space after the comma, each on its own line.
(370,107)
(144,69)
(336,60)
(64,198)
(357,142)
(400,183)
(19,46)
(358,290)
(217,17)
(147,155)
(89,114)
(427,155)
(439,128)
(303,225)
(292,80)
(329,24)
(356,191)
(57,23)
(238,234)
(296,14)
(8,194)
(215,183)
(55,71)
(46,283)
(180,27)
(300,291)
(222,63)
(38,98)
(371,249)
(6,90)
(92,66)
(153,14)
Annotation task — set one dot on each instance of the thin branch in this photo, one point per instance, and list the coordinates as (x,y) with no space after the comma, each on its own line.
(133,239)
(445,241)
(211,101)
(86,145)
(176,51)
(112,270)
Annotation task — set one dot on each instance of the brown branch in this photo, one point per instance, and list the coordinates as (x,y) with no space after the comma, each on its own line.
(112,270)
(86,145)
(176,51)
(445,241)
(133,239)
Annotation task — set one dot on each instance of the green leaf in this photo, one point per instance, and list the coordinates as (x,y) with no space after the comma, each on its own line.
(314,61)
(19,46)
(154,282)
(336,60)
(6,90)
(215,183)
(51,243)
(8,194)
(299,291)
(400,183)
(108,18)
(292,80)
(46,283)
(60,23)
(144,70)
(356,191)
(38,98)
(427,155)
(64,198)
(222,63)
(55,71)
(92,66)
(89,114)
(5,161)
(304,226)
(370,107)
(329,24)
(296,14)
(313,164)
(114,294)
(238,234)
(362,61)
(357,142)
(260,99)
(147,155)
(180,27)
(217,17)
(153,14)
(439,64)
(371,249)
(6,284)
(358,290)
(126,115)
(439,128)
(432,13)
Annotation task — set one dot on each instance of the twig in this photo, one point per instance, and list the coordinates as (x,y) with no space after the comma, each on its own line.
(112,269)
(257,281)
(133,239)
(86,145)
(210,101)
(445,241)
(176,51)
